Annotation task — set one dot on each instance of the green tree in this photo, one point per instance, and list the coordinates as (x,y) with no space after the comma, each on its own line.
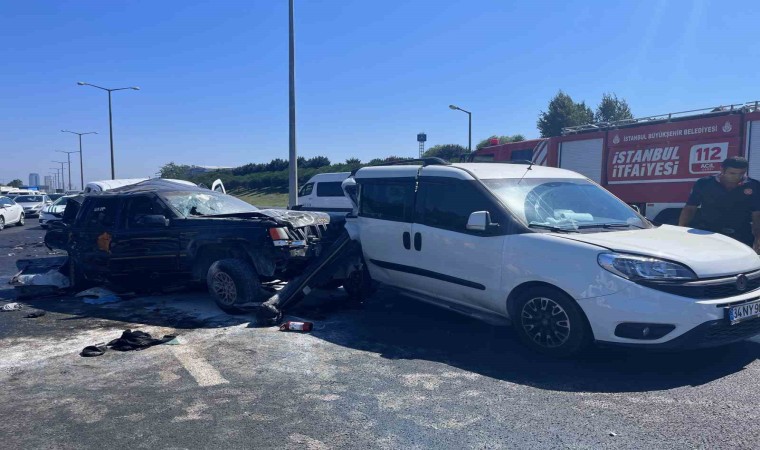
(176,171)
(16,183)
(563,112)
(317,162)
(612,109)
(353,162)
(502,140)
(445,151)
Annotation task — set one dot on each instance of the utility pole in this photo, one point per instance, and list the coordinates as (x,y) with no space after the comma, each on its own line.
(68,156)
(293,156)
(81,165)
(63,177)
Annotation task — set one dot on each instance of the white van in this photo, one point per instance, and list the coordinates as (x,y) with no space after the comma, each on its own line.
(323,192)
(566,261)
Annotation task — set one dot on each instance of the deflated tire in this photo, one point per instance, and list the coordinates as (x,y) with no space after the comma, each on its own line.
(233,282)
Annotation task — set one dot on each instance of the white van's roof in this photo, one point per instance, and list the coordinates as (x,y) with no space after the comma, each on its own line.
(480,170)
(333,176)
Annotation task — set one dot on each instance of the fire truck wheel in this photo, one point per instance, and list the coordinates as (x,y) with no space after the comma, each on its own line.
(233,282)
(550,322)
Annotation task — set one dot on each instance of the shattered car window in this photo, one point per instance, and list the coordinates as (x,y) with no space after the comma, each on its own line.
(207,203)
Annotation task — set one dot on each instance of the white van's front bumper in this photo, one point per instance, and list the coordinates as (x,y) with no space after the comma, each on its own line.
(696,322)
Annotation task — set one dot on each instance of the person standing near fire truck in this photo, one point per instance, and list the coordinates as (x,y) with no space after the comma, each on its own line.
(730,204)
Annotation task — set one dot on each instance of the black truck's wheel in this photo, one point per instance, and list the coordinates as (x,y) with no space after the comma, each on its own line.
(550,322)
(358,285)
(233,282)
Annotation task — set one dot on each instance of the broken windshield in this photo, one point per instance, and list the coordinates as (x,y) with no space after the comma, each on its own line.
(570,204)
(207,203)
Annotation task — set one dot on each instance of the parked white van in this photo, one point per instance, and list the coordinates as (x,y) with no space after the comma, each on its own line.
(553,252)
(323,192)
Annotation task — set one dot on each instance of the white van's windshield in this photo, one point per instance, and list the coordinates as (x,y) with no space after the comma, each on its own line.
(564,204)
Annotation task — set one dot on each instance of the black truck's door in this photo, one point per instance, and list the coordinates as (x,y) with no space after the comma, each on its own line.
(145,242)
(92,236)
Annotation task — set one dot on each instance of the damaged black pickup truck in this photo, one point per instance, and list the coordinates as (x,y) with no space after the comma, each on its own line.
(160,231)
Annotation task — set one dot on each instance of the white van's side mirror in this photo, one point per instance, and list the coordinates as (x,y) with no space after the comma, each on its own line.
(479,221)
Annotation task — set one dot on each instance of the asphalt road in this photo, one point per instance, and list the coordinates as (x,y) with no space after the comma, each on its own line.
(393,373)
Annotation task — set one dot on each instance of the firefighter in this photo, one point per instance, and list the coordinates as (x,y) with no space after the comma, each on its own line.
(730,204)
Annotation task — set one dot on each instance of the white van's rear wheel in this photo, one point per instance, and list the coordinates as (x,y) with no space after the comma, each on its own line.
(550,322)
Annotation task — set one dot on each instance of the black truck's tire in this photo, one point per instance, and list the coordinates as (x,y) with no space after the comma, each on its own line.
(358,285)
(549,322)
(233,282)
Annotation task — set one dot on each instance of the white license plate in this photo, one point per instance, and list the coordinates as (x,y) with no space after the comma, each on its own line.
(743,312)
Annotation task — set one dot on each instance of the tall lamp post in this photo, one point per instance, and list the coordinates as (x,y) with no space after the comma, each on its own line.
(63,176)
(469,120)
(57,181)
(81,166)
(293,166)
(52,176)
(110,116)
(68,157)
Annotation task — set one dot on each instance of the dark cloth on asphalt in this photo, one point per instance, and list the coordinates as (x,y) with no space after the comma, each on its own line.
(129,340)
(136,340)
(93,350)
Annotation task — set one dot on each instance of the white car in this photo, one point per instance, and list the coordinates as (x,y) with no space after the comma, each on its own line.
(562,259)
(323,192)
(33,204)
(54,212)
(10,213)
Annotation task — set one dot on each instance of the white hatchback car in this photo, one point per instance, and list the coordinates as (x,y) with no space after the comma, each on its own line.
(565,261)
(10,213)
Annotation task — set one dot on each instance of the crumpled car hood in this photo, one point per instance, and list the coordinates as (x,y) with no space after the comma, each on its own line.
(297,218)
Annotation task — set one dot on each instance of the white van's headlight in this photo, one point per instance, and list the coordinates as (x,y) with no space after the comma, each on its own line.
(635,267)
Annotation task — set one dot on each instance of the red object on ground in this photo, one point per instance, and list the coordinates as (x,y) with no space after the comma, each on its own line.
(296,326)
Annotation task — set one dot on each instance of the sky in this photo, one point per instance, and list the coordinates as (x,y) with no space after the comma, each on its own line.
(370,74)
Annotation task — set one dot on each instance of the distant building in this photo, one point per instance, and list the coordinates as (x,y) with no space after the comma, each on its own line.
(48,182)
(196,170)
(34,179)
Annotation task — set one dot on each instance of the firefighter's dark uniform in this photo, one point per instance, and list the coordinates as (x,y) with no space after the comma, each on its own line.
(726,211)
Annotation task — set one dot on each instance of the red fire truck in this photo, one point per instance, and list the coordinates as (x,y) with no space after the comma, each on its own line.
(650,162)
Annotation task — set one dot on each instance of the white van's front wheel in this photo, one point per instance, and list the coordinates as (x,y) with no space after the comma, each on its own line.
(550,322)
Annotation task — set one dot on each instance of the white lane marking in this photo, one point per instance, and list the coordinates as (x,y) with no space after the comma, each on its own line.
(204,373)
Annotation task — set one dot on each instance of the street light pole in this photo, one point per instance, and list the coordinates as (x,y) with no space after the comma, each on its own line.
(293,156)
(469,120)
(81,166)
(63,176)
(68,156)
(110,116)
(57,178)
